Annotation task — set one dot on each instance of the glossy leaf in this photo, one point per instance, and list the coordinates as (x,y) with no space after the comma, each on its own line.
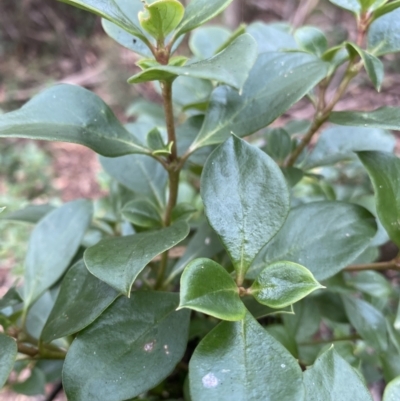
(130,349)
(351,5)
(271,37)
(204,244)
(311,40)
(324,236)
(265,96)
(82,299)
(110,10)
(331,378)
(368,321)
(241,361)
(384,171)
(8,355)
(52,245)
(70,113)
(339,143)
(372,64)
(384,34)
(205,41)
(161,17)
(141,174)
(118,261)
(208,288)
(200,11)
(218,68)
(142,213)
(282,284)
(392,390)
(385,118)
(254,195)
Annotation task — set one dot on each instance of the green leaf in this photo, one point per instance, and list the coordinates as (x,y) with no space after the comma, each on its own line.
(311,40)
(265,96)
(205,41)
(207,287)
(384,170)
(130,349)
(69,113)
(241,361)
(279,144)
(258,310)
(200,11)
(161,17)
(370,282)
(142,213)
(271,37)
(351,5)
(29,214)
(384,117)
(368,321)
(110,10)
(386,8)
(339,143)
(183,211)
(392,390)
(324,236)
(118,261)
(254,195)
(33,385)
(331,378)
(11,298)
(371,5)
(384,34)
(52,245)
(141,174)
(218,68)
(8,355)
(282,284)
(204,244)
(374,67)
(82,299)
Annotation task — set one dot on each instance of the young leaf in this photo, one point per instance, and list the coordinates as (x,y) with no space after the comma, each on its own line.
(52,245)
(368,321)
(384,170)
(386,8)
(110,10)
(324,236)
(118,261)
(218,68)
(351,5)
(8,355)
(384,33)
(131,348)
(331,378)
(254,195)
(339,143)
(142,213)
(282,284)
(82,299)
(372,64)
(241,361)
(311,40)
(69,113)
(200,11)
(279,144)
(265,96)
(141,174)
(392,390)
(161,17)
(207,287)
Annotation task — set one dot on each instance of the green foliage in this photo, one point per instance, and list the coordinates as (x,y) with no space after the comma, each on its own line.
(216,268)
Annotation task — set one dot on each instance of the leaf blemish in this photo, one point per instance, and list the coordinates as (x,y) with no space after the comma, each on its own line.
(210,381)
(149,346)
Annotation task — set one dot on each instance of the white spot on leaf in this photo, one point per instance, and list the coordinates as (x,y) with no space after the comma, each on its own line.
(149,346)
(210,381)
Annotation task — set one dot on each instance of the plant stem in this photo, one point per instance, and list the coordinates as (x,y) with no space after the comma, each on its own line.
(381,266)
(174,170)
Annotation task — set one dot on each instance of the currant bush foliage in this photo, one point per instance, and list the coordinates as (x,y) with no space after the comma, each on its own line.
(217,268)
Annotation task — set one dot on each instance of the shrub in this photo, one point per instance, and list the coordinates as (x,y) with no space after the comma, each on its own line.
(271,241)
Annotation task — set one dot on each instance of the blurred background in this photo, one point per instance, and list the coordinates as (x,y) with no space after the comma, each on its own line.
(43,42)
